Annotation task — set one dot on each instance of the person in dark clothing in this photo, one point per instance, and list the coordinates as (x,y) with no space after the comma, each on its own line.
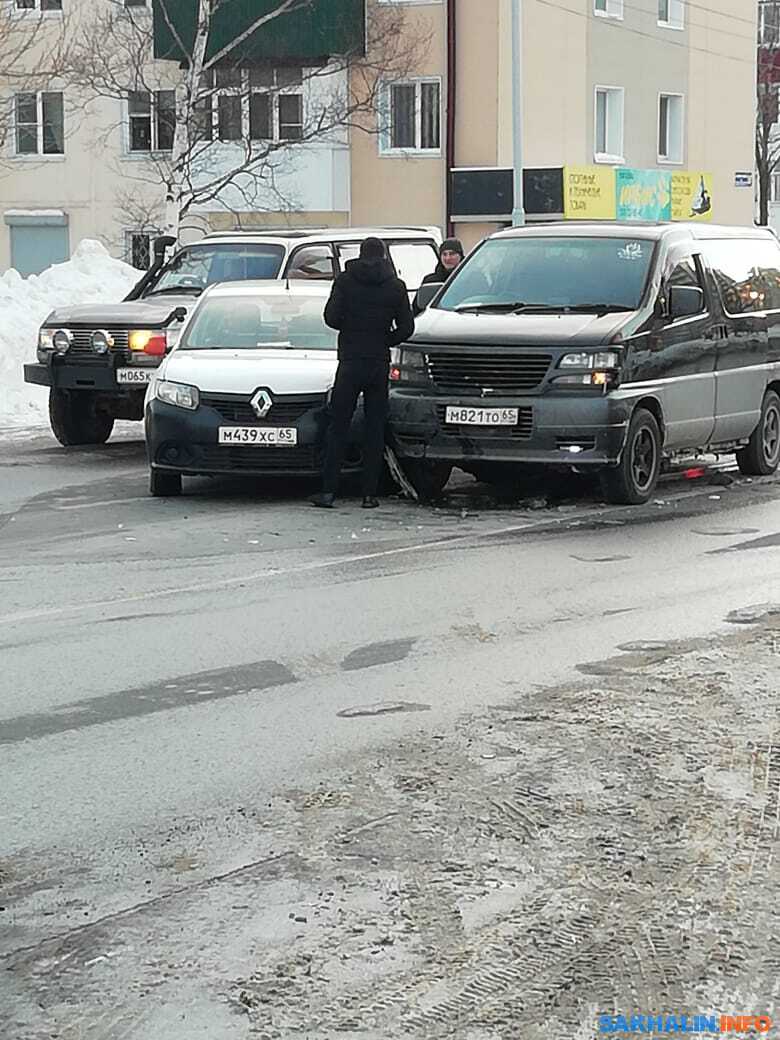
(450,255)
(369,305)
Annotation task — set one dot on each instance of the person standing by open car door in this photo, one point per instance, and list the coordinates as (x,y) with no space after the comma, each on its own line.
(369,305)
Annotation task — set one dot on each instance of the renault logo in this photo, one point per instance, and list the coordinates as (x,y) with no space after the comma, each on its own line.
(261,403)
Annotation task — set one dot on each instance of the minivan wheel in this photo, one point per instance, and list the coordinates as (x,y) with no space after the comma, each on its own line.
(427,478)
(761,455)
(74,418)
(163,483)
(634,479)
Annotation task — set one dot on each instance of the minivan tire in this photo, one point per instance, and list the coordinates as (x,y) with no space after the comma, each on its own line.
(761,456)
(164,484)
(633,481)
(74,418)
(428,478)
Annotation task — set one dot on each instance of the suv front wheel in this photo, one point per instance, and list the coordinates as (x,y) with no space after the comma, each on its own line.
(634,479)
(74,418)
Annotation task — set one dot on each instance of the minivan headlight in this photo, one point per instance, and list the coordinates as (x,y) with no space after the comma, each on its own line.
(597,359)
(180,395)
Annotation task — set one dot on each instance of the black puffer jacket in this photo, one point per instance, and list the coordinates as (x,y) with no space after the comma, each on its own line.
(441,274)
(369,306)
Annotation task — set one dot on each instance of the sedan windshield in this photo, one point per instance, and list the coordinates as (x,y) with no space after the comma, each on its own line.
(288,321)
(197,267)
(556,274)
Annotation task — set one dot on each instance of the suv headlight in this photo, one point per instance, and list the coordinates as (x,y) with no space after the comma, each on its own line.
(45,344)
(597,359)
(180,395)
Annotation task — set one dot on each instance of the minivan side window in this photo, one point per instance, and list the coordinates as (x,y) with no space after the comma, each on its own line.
(747,273)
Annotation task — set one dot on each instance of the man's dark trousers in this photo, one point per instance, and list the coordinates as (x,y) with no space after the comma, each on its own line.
(353,377)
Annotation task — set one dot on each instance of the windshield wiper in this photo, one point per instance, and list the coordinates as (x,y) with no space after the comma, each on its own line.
(517,307)
(177,289)
(600,308)
(505,306)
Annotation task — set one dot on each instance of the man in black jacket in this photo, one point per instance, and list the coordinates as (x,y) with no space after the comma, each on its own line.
(369,305)
(450,256)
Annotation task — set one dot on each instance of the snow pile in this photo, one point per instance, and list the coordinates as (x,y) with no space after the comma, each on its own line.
(92,275)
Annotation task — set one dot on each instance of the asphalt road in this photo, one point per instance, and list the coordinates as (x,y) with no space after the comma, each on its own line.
(173,672)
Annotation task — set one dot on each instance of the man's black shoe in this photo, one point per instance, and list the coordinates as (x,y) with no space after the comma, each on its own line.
(369,502)
(324,500)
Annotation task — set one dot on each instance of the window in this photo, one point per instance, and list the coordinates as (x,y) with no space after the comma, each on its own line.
(413,261)
(262,320)
(259,104)
(769,23)
(38,5)
(138,249)
(40,124)
(608,145)
(151,120)
(670,128)
(135,3)
(312,262)
(671,14)
(747,273)
(414,117)
(608,8)
(685,272)
(553,272)
(203,265)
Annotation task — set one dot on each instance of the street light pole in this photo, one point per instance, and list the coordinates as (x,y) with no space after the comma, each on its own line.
(518,213)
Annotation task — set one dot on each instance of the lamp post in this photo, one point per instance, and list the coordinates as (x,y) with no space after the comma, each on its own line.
(518,213)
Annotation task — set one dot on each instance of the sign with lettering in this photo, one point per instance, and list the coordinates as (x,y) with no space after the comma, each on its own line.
(643,194)
(691,196)
(589,193)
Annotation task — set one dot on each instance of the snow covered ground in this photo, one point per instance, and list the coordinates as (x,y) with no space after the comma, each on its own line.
(91,275)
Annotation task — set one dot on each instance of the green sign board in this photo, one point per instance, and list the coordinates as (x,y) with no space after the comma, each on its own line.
(643,194)
(309,34)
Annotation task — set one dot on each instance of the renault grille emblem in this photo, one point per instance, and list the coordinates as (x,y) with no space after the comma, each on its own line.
(261,403)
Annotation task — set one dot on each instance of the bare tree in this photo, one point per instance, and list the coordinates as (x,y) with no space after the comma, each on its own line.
(229,125)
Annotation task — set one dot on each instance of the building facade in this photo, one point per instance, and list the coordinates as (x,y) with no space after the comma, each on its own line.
(630,109)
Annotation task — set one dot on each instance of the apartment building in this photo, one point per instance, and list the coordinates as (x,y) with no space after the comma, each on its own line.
(631,109)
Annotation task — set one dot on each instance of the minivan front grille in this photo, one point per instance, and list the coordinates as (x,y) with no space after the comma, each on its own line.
(286,409)
(480,374)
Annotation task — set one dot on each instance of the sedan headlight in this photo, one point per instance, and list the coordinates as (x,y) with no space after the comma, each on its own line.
(180,395)
(598,359)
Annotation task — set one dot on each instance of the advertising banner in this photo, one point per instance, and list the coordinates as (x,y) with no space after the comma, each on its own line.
(643,194)
(589,193)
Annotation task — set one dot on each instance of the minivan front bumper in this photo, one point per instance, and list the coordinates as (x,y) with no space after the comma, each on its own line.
(581,429)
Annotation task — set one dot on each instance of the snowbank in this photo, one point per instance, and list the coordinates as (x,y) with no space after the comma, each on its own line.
(92,275)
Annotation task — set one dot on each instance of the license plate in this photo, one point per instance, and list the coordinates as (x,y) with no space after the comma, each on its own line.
(259,436)
(481,416)
(138,376)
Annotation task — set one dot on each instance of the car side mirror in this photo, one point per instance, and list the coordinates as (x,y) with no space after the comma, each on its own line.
(425,294)
(685,301)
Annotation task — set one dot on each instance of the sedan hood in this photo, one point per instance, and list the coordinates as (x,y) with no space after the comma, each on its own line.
(548,330)
(133,314)
(243,371)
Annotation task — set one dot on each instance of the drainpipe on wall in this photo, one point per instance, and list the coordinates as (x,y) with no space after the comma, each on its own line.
(452,55)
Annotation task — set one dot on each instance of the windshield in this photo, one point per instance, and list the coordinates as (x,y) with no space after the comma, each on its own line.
(291,321)
(554,273)
(196,267)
